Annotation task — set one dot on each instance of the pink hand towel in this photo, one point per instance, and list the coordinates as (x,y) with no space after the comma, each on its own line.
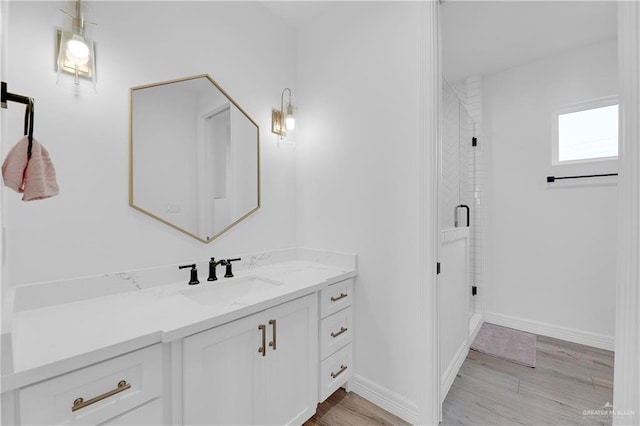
(36,177)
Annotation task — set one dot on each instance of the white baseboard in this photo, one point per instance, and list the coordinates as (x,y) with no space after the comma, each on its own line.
(384,398)
(452,370)
(474,326)
(582,337)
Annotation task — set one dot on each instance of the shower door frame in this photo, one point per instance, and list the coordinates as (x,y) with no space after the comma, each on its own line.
(429,108)
(626,384)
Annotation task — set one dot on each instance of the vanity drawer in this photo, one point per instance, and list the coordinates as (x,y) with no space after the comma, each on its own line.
(336,331)
(108,389)
(335,371)
(336,297)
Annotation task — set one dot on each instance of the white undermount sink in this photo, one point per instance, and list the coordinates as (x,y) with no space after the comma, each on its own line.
(226,291)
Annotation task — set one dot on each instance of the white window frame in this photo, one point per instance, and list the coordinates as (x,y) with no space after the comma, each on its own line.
(577,107)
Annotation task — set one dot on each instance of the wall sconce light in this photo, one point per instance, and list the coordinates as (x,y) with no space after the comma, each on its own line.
(283,120)
(76,64)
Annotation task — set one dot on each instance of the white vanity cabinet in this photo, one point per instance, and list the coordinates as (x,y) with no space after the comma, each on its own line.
(335,335)
(267,358)
(119,391)
(261,369)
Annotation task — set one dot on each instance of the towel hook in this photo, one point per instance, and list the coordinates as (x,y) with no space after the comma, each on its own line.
(6,96)
(28,124)
(11,97)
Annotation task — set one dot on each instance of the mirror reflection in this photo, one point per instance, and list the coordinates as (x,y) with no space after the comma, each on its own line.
(194,157)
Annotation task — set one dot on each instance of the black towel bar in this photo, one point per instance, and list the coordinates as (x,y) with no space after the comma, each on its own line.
(555,178)
(11,97)
(5,97)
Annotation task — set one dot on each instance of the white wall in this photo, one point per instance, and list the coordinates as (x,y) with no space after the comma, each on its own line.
(551,248)
(5,326)
(89,228)
(358,79)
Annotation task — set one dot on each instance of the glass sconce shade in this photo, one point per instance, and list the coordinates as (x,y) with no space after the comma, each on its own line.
(76,64)
(283,120)
(77,51)
(290,121)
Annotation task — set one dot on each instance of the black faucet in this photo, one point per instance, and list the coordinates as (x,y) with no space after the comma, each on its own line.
(194,273)
(227,263)
(212,268)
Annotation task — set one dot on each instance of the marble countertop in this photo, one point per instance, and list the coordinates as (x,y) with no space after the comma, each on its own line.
(52,340)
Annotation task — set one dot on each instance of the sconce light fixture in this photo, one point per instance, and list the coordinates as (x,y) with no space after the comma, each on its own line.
(76,55)
(283,120)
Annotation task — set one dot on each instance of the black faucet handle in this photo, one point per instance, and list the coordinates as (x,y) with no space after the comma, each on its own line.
(194,273)
(229,271)
(212,268)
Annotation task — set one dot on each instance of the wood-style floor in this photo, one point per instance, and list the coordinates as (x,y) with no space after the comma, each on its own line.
(349,409)
(568,381)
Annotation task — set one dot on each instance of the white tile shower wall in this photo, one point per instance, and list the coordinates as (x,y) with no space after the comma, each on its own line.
(450,156)
(460,90)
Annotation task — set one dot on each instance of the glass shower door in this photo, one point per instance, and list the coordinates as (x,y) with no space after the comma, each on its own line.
(456,305)
(458,173)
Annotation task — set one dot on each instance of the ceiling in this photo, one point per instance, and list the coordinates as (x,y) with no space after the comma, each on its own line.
(297,13)
(482,37)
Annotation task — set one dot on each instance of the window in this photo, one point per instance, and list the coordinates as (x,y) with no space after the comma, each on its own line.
(587,132)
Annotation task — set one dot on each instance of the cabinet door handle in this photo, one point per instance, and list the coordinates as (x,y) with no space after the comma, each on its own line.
(263,349)
(81,403)
(339,372)
(342,330)
(342,296)
(273,328)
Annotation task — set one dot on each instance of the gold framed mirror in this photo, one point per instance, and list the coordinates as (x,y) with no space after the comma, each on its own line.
(194,160)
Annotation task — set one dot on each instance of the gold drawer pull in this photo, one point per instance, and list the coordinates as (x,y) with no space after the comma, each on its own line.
(263,349)
(342,296)
(81,403)
(339,372)
(342,330)
(273,327)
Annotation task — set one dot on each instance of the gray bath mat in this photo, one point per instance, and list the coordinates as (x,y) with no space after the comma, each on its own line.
(506,343)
